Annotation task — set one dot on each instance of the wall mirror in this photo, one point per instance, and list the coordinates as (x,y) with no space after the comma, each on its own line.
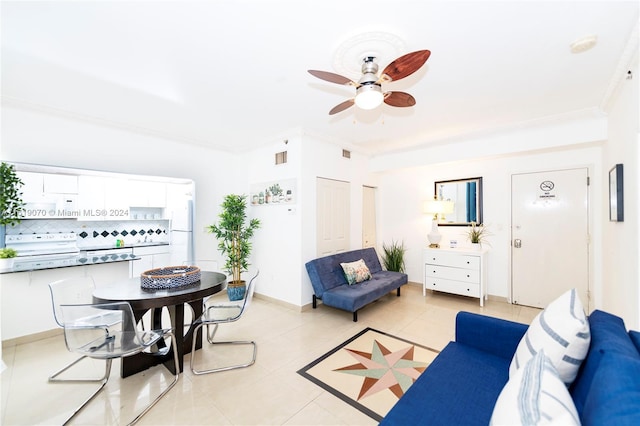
(466,195)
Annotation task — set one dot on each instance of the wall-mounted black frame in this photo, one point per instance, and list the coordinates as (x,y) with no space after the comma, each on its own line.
(467,197)
(616,194)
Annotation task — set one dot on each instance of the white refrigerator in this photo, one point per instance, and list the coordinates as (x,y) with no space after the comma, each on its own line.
(182,244)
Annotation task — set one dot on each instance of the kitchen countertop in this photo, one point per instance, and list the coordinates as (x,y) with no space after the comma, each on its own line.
(35,263)
(126,246)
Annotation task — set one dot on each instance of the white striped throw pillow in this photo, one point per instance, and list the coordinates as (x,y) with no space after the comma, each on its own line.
(562,330)
(535,395)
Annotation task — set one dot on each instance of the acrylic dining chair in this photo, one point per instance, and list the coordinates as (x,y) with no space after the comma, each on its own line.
(216,313)
(107,332)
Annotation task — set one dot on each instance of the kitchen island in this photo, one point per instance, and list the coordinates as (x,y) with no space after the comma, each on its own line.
(27,313)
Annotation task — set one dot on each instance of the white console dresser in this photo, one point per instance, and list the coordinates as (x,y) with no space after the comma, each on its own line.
(458,271)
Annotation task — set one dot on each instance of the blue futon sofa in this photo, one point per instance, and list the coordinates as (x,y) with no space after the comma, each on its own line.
(330,284)
(462,384)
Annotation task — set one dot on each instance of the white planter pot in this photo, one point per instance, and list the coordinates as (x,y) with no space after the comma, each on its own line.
(7,263)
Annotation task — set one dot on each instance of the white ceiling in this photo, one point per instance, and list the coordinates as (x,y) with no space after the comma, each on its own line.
(233,74)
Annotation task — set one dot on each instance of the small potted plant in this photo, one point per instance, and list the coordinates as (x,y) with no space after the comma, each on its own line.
(11,203)
(7,256)
(234,234)
(477,234)
(393,257)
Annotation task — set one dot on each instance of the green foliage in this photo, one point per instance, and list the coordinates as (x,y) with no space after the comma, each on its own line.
(7,253)
(233,234)
(11,203)
(393,256)
(478,234)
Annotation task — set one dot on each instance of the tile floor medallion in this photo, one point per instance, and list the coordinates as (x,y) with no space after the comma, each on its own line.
(370,371)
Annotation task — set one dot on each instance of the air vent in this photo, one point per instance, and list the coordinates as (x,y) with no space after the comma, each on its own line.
(281,157)
(346,153)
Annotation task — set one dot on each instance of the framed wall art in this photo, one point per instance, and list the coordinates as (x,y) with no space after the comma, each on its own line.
(616,194)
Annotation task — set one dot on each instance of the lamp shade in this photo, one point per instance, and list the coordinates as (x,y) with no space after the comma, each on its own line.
(369,96)
(438,207)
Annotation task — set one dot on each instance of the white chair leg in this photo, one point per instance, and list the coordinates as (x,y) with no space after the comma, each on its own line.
(175,380)
(54,377)
(102,385)
(210,339)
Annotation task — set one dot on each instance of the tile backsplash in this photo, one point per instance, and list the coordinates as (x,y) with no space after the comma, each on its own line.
(99,234)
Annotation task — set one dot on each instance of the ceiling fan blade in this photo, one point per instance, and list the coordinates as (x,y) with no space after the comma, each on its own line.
(405,65)
(399,99)
(341,107)
(332,78)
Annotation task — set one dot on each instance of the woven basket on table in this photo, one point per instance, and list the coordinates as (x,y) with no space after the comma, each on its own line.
(169,277)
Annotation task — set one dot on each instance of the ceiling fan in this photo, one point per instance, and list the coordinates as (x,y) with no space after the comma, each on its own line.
(369,92)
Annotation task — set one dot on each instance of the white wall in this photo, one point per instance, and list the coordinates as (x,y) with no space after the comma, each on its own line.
(621,276)
(276,245)
(403,191)
(30,136)
(323,158)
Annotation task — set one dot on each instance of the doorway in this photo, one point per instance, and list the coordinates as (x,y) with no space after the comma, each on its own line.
(333,216)
(368,217)
(549,236)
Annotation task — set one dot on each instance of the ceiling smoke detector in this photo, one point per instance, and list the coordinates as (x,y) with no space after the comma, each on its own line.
(583,44)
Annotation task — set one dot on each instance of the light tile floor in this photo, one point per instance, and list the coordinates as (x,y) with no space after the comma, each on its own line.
(267,393)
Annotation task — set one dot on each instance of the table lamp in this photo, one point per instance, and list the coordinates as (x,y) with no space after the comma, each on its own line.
(436,207)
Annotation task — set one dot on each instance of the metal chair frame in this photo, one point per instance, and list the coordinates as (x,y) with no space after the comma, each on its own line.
(205,320)
(104,348)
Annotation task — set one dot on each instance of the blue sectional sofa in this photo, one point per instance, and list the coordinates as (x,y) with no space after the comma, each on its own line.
(330,284)
(463,383)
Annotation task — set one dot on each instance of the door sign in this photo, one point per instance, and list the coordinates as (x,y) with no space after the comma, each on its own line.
(546,188)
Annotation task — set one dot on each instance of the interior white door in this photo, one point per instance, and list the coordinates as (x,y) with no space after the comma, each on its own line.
(550,236)
(332,216)
(368,217)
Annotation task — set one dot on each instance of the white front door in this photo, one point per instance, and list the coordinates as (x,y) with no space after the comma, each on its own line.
(333,198)
(550,236)
(368,217)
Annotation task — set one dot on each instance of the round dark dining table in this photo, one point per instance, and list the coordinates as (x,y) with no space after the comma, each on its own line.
(174,299)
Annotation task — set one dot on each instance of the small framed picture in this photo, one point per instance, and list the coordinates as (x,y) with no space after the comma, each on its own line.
(616,194)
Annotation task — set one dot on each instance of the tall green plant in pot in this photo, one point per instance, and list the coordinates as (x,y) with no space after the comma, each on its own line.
(234,234)
(393,256)
(11,203)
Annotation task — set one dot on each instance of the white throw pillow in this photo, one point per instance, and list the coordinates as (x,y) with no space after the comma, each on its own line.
(535,395)
(562,330)
(356,272)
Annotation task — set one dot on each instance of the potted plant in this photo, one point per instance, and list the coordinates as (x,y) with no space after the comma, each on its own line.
(393,257)
(477,234)
(234,234)
(11,203)
(6,257)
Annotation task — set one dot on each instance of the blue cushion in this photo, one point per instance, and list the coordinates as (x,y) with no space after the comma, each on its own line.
(608,335)
(355,296)
(460,387)
(326,273)
(635,338)
(493,335)
(614,397)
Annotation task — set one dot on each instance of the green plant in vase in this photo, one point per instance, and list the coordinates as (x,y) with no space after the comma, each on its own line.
(11,203)
(393,256)
(6,257)
(477,234)
(234,235)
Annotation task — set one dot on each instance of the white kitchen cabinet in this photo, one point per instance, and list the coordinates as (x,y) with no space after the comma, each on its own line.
(48,196)
(148,193)
(150,258)
(457,271)
(103,198)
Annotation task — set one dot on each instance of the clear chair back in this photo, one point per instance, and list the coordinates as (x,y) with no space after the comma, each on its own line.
(70,291)
(103,331)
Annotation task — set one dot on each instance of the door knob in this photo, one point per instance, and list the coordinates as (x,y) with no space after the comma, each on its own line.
(517,243)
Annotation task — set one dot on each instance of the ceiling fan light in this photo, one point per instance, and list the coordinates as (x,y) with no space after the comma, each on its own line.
(369,96)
